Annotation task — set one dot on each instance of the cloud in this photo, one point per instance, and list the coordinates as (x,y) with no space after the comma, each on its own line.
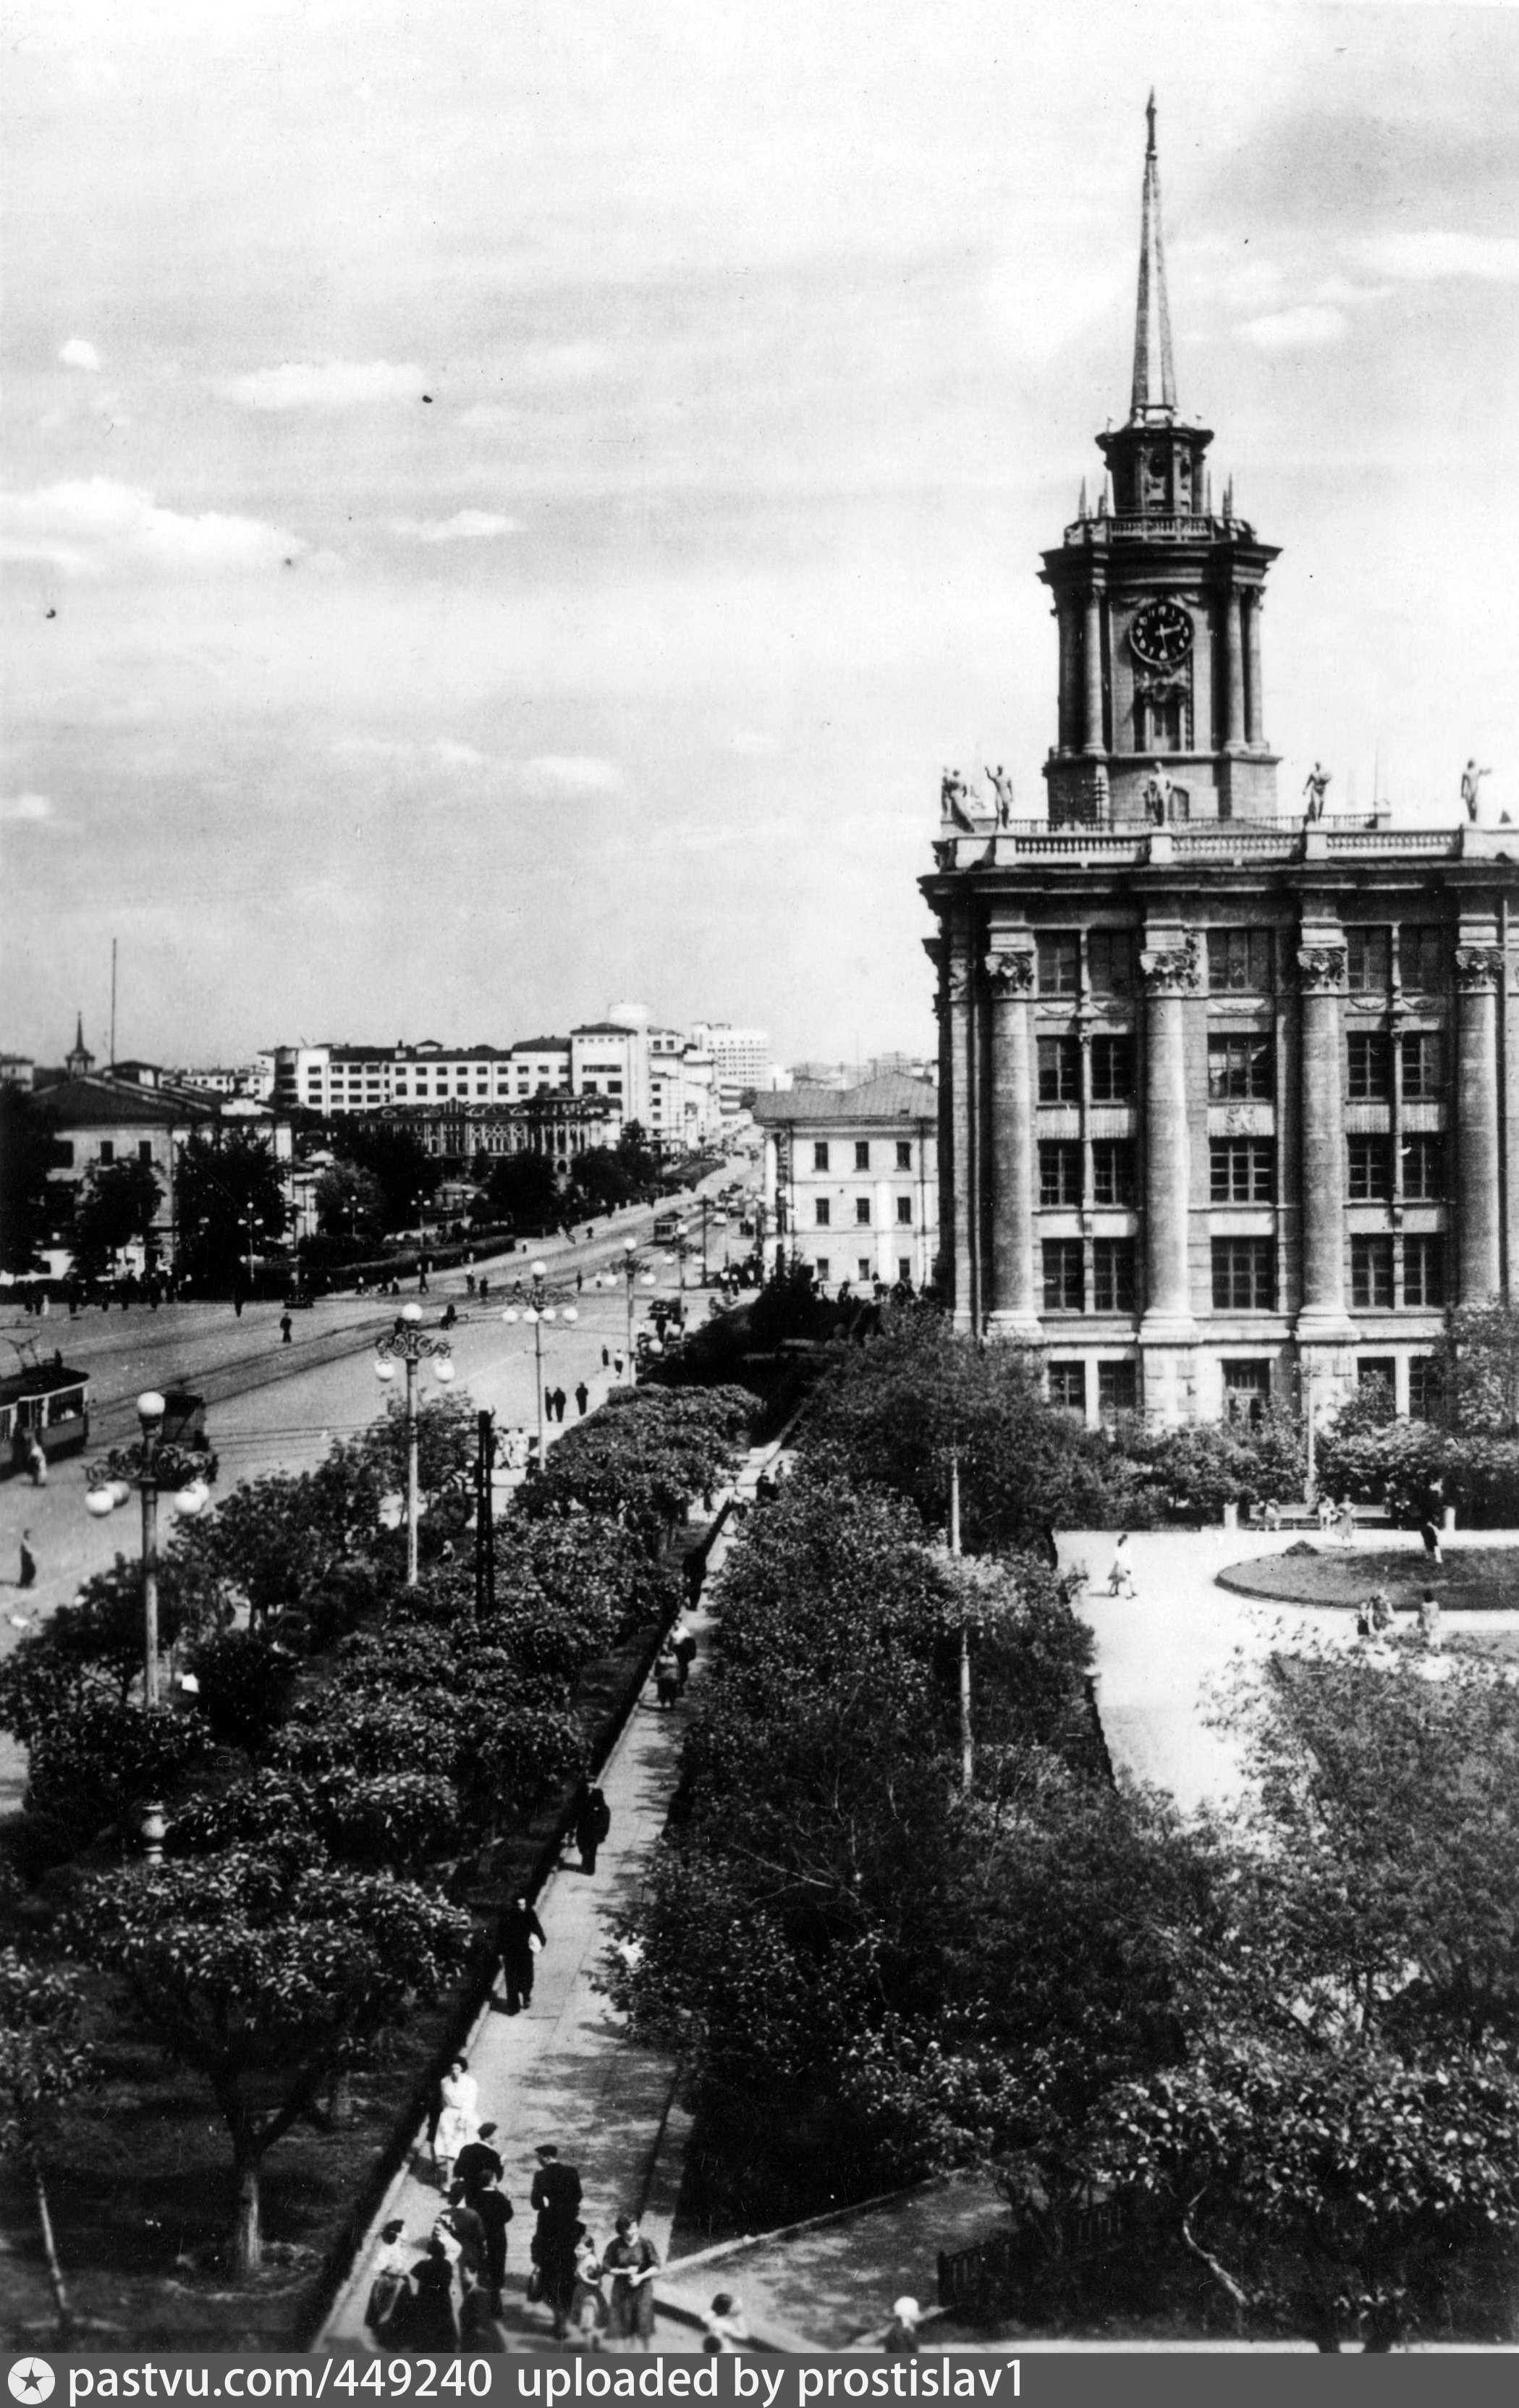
(333,384)
(78,353)
(465,526)
(747,742)
(579,772)
(94,527)
(1431,257)
(442,752)
(25,806)
(1310,327)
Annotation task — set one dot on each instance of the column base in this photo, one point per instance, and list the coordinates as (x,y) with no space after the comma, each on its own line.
(1168,1329)
(1021,1328)
(1170,1384)
(1323,1327)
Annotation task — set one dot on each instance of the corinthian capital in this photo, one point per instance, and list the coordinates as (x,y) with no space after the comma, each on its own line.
(1477,969)
(1321,968)
(1174,970)
(1010,973)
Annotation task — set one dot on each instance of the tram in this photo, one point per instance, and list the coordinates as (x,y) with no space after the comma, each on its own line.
(48,1403)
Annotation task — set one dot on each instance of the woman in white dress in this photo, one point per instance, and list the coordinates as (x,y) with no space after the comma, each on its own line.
(458,2118)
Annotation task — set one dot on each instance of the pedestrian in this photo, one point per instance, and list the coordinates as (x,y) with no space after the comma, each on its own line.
(477,2162)
(605,1358)
(37,1462)
(684,1641)
(522,1937)
(548,1404)
(631,2263)
(617,1367)
(286,1326)
(458,2095)
(666,1676)
(1327,1513)
(478,2330)
(389,2284)
(1429,1619)
(726,2325)
(432,2323)
(1347,1524)
(593,1821)
(900,2339)
(1120,1572)
(1272,1515)
(28,1578)
(693,1571)
(493,2209)
(1431,1536)
(587,2299)
(582,1397)
(469,2229)
(579,1282)
(238,1303)
(556,2196)
(484,1288)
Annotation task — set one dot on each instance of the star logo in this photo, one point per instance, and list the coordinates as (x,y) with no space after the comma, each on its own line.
(31,2379)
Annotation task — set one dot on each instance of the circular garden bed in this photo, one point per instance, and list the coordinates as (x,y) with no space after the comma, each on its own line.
(1480,1579)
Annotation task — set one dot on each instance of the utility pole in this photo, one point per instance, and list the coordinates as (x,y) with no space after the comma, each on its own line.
(966,1747)
(484,1517)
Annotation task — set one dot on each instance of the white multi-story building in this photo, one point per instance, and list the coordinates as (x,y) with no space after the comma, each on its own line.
(852,1179)
(540,1065)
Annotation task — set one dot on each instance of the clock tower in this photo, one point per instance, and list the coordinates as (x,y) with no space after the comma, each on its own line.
(1158,601)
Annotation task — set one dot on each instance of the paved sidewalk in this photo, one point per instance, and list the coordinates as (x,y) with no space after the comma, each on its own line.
(1166,1658)
(564,2071)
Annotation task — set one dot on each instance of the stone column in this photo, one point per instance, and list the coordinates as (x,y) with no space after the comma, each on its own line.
(1015,1300)
(1233,674)
(1254,713)
(1321,977)
(1479,1273)
(1091,666)
(944,1266)
(965,1147)
(1068,728)
(1168,975)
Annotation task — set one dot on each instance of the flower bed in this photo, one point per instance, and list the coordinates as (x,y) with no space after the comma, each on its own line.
(1481,1579)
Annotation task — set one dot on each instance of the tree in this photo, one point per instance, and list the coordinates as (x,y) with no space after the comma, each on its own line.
(43,2059)
(93,1646)
(1479,1369)
(287,1541)
(114,1208)
(351,1202)
(600,1180)
(29,1203)
(522,1190)
(395,1157)
(267,1969)
(229,1195)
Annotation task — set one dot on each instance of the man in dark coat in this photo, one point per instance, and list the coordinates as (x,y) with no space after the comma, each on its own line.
(556,2195)
(492,2209)
(477,2162)
(520,1927)
(593,1821)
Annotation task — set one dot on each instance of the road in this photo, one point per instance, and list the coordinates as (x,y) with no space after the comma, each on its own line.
(272,1407)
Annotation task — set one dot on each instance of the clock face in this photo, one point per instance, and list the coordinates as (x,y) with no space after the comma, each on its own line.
(1161,634)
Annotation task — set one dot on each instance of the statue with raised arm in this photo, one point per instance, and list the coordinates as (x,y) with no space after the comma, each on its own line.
(1471,777)
(1316,786)
(1001,785)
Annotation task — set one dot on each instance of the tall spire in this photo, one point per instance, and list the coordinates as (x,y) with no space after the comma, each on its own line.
(1155,379)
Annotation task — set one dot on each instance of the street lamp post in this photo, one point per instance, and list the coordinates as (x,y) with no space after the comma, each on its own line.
(537,1311)
(409,1345)
(143,1470)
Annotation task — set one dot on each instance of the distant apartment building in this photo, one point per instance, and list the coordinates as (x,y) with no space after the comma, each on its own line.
(852,1179)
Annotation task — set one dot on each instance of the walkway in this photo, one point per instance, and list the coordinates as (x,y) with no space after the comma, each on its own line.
(1166,1660)
(563,2071)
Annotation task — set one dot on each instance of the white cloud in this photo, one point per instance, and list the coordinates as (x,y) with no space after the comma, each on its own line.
(465,526)
(25,806)
(331,385)
(747,741)
(1428,258)
(442,751)
(93,526)
(78,353)
(579,772)
(449,754)
(1310,327)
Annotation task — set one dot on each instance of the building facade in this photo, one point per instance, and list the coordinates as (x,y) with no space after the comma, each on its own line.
(852,1180)
(1229,1100)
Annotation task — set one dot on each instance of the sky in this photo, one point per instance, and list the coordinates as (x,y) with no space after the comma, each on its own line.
(510,507)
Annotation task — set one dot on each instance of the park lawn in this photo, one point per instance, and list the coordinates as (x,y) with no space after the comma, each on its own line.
(1480,1580)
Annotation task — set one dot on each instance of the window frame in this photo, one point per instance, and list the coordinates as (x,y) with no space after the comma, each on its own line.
(1064,1155)
(1256,1152)
(1253,948)
(1370,1046)
(1116,1053)
(1427,1248)
(1116,1154)
(1064,1054)
(1371,1255)
(1061,949)
(1063,1252)
(1369,958)
(1252,1053)
(1369,1166)
(1226,1255)
(1115,1267)
(1074,1371)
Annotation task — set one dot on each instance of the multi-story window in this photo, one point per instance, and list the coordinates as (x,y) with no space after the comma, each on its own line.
(1110,958)
(1067,1387)
(1113,1275)
(1060,1174)
(1377,1371)
(144,1149)
(862,1210)
(1369,960)
(823,1212)
(1238,1069)
(1421,958)
(1423,1169)
(1370,1066)
(1060,1070)
(861,1269)
(1370,1169)
(904,1211)
(1060,964)
(1423,1066)
(1240,1170)
(1112,1070)
(1370,1274)
(822,1269)
(1424,1270)
(904,1268)
(1240,961)
(1424,1388)
(862,1153)
(1113,1171)
(820,1156)
(1062,1267)
(1118,1389)
(1247,1390)
(904,1154)
(1244,1275)
(107,1150)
